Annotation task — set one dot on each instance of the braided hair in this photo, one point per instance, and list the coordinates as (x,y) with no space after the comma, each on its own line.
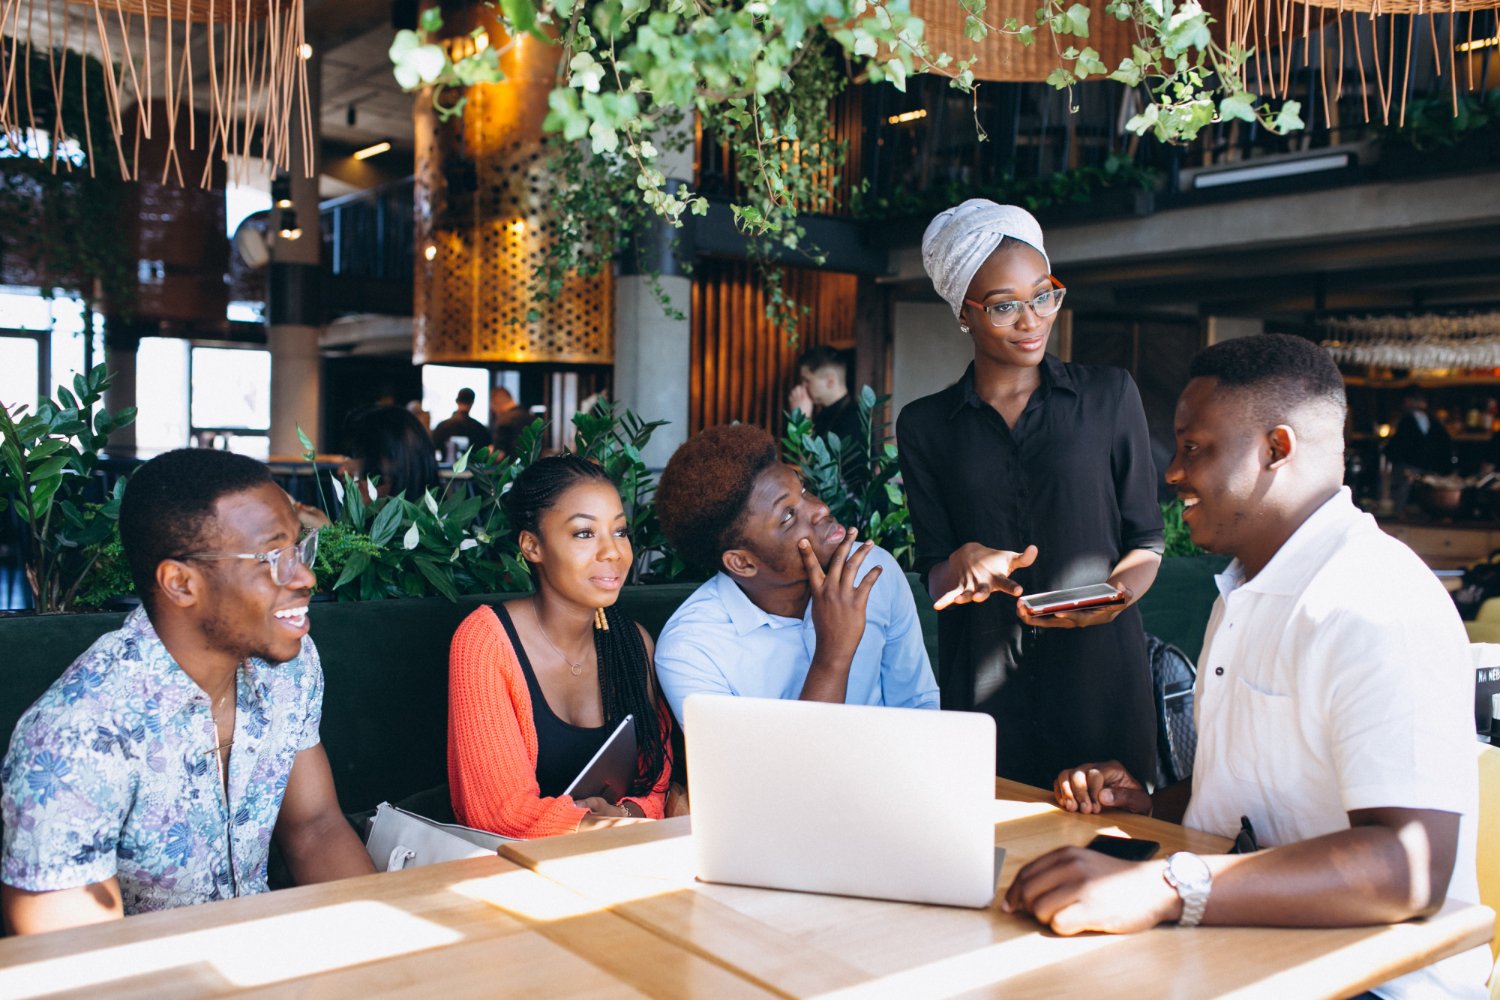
(624,669)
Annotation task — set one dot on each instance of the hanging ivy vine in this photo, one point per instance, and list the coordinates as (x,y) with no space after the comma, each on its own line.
(1187,79)
(762,75)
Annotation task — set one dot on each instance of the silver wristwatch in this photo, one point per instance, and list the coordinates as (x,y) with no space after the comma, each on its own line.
(1191,877)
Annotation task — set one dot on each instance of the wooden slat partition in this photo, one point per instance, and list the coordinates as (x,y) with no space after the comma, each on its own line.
(743,366)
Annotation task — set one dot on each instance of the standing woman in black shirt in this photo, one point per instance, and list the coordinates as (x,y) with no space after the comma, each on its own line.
(1030,474)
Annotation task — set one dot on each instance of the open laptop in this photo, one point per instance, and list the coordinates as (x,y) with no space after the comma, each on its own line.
(852,800)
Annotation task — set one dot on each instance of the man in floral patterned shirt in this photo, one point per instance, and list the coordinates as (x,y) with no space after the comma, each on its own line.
(155,771)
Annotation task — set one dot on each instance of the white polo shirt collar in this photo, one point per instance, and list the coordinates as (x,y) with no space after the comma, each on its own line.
(1301,554)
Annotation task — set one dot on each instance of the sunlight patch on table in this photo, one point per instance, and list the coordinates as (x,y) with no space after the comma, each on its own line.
(623,874)
(1006,810)
(253,953)
(529,898)
(979,969)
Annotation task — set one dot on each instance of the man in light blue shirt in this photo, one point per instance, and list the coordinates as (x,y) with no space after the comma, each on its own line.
(796,609)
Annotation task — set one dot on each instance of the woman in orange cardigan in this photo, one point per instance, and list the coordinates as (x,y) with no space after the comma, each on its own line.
(537,684)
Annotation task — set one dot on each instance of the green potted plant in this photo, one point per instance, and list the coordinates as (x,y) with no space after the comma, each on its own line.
(452,542)
(47,460)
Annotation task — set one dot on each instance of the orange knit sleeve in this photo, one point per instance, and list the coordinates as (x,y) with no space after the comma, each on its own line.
(492,746)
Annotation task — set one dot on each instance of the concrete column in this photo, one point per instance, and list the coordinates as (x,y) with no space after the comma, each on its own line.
(120,358)
(927,351)
(651,359)
(296,379)
(292,290)
(652,349)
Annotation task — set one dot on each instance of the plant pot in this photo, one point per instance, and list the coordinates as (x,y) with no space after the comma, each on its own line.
(1440,501)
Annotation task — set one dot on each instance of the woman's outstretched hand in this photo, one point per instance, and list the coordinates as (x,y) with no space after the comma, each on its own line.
(983,571)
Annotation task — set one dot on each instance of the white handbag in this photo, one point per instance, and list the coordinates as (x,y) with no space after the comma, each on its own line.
(400,839)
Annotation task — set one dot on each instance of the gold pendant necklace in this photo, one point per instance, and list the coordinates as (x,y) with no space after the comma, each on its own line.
(576,669)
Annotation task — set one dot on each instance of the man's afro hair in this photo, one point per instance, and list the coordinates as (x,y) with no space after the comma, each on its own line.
(702,493)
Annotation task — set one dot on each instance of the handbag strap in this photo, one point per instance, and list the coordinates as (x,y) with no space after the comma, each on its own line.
(400,855)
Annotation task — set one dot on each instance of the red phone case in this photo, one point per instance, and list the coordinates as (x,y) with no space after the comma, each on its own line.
(1090,602)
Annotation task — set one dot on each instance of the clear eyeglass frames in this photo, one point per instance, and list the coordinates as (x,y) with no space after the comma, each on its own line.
(283,561)
(1008,313)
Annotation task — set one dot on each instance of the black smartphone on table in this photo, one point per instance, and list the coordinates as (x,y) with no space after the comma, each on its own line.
(1124,848)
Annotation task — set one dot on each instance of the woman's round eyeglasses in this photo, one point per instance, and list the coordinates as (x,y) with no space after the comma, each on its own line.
(1008,313)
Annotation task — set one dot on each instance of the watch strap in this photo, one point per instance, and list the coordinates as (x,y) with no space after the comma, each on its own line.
(1192,892)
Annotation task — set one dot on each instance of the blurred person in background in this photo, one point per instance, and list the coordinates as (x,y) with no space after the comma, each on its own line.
(390,445)
(507,419)
(461,428)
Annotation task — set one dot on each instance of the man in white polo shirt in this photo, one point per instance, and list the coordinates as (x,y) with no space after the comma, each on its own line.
(1334,699)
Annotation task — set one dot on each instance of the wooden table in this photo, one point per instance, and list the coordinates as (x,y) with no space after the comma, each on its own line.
(618,913)
(807,945)
(477,928)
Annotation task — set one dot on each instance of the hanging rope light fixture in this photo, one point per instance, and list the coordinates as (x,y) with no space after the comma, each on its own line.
(155,56)
(1341,28)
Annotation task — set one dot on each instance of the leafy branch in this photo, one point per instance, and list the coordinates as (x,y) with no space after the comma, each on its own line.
(631,69)
(633,75)
(1189,80)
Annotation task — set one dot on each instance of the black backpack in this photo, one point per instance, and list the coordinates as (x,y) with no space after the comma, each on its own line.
(1481,582)
(1172,678)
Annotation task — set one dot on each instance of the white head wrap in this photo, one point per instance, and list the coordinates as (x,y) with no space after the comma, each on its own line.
(961,239)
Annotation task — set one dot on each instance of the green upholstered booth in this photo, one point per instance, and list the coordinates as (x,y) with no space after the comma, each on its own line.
(1176,607)
(386,669)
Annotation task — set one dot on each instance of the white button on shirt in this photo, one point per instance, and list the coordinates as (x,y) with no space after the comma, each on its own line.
(1339,678)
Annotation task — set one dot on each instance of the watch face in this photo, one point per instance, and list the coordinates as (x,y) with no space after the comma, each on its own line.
(1188,870)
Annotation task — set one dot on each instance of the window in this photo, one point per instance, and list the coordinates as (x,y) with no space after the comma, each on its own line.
(57,326)
(231,399)
(440,385)
(161,394)
(20,369)
(247,192)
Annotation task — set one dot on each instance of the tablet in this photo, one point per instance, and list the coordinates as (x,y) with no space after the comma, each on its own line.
(612,770)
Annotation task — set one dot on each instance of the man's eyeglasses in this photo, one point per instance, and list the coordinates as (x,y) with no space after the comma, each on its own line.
(283,561)
(1008,313)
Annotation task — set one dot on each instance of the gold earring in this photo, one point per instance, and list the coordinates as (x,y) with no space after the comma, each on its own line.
(600,622)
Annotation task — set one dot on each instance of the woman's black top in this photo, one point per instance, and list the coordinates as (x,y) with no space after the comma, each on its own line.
(1075,478)
(562,750)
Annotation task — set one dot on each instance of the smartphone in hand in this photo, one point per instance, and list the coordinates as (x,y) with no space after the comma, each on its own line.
(1124,848)
(1072,599)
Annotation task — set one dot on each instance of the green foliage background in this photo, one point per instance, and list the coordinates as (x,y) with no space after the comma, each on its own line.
(451,541)
(48,455)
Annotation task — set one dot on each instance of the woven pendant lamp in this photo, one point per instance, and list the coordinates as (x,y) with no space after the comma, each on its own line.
(154,54)
(1003,58)
(485,227)
(1344,27)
